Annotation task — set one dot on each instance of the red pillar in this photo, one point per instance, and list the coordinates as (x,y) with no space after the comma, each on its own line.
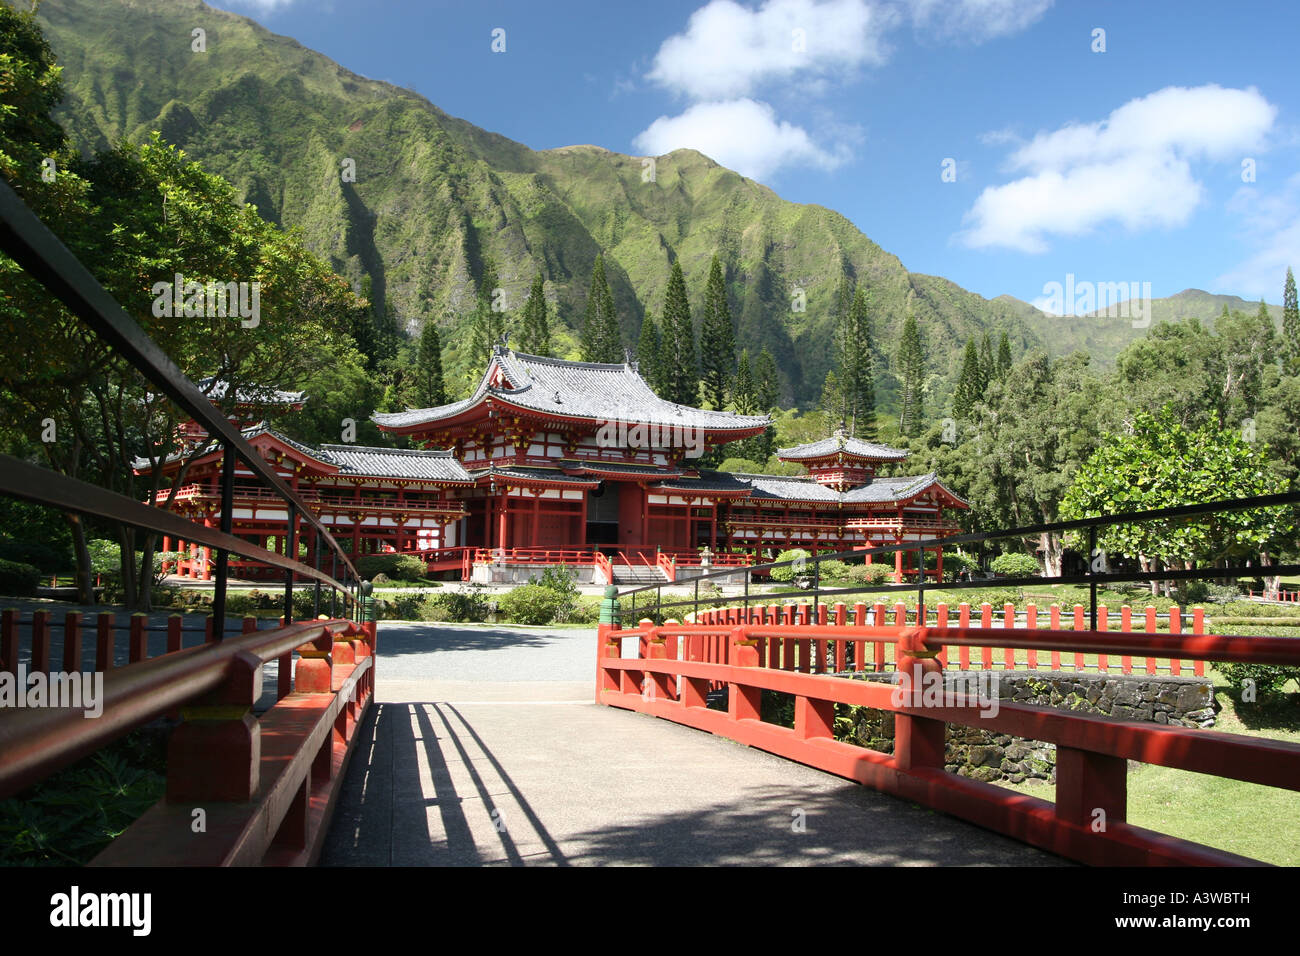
(502,518)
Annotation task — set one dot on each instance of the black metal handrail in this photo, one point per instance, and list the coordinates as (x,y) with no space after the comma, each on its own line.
(1079,524)
(31,244)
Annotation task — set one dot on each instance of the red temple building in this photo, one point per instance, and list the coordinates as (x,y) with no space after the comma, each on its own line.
(551,461)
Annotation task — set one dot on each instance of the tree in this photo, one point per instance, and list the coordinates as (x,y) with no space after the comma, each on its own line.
(988,366)
(1163,463)
(1004,356)
(649,354)
(744,395)
(717,340)
(967,392)
(832,401)
(428,388)
(1290,326)
(601,341)
(767,395)
(681,373)
(489,323)
(911,375)
(534,326)
(856,364)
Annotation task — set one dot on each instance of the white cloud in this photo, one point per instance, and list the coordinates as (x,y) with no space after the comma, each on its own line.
(727,50)
(976,20)
(1271,225)
(1133,168)
(728,53)
(742,134)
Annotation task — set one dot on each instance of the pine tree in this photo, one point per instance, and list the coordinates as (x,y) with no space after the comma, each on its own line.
(988,367)
(744,394)
(832,401)
(967,392)
(911,375)
(767,383)
(429,389)
(717,340)
(681,373)
(1004,356)
(489,322)
(649,354)
(860,385)
(767,395)
(534,326)
(1290,326)
(601,340)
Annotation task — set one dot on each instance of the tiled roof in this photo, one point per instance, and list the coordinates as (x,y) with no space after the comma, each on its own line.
(395,463)
(840,442)
(781,488)
(617,468)
(579,389)
(535,474)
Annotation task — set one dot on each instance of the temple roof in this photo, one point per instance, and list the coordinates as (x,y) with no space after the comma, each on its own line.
(801,488)
(394,463)
(602,393)
(841,443)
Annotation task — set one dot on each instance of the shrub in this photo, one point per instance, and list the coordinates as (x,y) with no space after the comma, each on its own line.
(873,574)
(408,567)
(44,557)
(395,567)
(788,572)
(833,570)
(18,578)
(532,604)
(1013,565)
(466,605)
(954,564)
(562,581)
(105,556)
(1268,679)
(585,611)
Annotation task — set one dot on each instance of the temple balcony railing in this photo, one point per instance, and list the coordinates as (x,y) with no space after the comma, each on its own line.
(204,495)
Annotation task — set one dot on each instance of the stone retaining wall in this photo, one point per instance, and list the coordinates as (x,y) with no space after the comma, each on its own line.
(987,755)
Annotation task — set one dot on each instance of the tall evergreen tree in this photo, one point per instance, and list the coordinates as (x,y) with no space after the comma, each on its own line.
(601,340)
(717,340)
(489,322)
(681,373)
(911,376)
(649,354)
(1290,326)
(534,326)
(967,392)
(988,365)
(859,366)
(767,395)
(1004,356)
(428,388)
(744,394)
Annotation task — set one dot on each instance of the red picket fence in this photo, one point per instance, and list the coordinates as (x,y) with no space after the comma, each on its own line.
(1286,597)
(810,656)
(676,665)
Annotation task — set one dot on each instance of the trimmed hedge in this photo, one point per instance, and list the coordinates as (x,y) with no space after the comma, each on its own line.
(1013,565)
(18,578)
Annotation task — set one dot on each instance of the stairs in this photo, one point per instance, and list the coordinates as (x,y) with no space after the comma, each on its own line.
(636,575)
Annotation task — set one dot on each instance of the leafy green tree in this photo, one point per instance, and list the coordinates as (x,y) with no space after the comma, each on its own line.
(649,354)
(681,372)
(428,389)
(534,326)
(717,340)
(767,396)
(1180,364)
(988,365)
(1163,463)
(1290,325)
(911,374)
(601,340)
(856,363)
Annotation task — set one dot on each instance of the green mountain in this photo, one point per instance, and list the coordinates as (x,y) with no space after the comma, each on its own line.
(435,197)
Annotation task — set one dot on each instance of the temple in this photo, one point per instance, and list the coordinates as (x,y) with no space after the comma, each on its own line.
(551,461)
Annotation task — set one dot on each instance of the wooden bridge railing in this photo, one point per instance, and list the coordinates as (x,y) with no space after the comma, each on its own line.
(262,788)
(677,665)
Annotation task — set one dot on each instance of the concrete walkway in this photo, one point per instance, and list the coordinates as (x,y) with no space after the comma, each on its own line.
(485,748)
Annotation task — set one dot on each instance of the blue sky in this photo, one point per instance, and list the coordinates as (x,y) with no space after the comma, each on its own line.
(1171,157)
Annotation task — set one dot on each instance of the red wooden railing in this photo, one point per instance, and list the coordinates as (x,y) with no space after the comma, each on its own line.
(979,657)
(1288,597)
(667,564)
(676,665)
(533,556)
(265,785)
(600,565)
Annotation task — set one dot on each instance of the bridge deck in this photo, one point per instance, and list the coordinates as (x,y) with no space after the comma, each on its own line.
(463,768)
